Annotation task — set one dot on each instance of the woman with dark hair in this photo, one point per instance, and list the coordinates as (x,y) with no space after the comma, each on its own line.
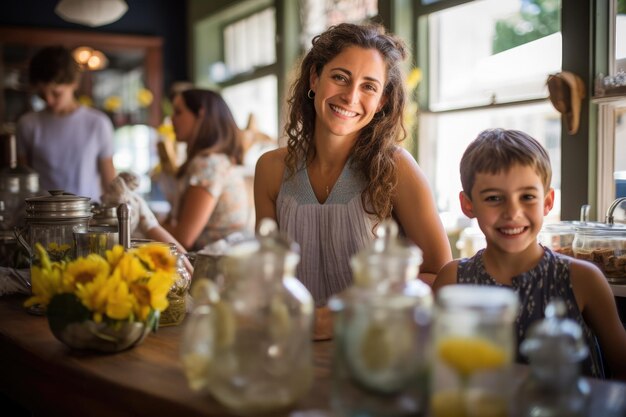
(212,200)
(343,171)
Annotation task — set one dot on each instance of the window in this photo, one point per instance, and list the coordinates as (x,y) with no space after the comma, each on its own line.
(237,55)
(317,15)
(249,42)
(487,61)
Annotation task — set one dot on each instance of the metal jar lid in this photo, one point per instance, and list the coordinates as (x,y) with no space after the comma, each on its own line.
(58,205)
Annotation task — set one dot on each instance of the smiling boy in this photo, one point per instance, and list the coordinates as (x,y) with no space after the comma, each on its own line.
(506,186)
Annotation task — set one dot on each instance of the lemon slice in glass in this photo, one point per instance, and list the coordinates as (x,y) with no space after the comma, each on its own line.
(467,355)
(381,354)
(225,324)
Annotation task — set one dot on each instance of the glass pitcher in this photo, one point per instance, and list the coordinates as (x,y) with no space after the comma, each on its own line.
(248,342)
(381,332)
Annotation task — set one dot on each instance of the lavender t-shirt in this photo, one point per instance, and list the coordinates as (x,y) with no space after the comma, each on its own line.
(65,150)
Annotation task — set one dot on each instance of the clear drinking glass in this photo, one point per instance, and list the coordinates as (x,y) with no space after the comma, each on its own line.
(474,346)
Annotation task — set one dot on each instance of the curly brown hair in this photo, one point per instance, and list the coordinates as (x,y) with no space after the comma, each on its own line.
(373,152)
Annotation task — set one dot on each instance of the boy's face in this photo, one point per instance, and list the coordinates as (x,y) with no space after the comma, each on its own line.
(509,207)
(59,98)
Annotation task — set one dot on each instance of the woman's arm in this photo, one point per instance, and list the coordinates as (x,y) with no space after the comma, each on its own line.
(597,303)
(414,207)
(268,177)
(196,207)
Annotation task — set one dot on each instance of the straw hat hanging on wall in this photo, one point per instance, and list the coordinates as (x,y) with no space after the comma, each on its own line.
(567,91)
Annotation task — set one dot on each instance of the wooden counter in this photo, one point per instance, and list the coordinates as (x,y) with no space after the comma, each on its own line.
(49,379)
(39,372)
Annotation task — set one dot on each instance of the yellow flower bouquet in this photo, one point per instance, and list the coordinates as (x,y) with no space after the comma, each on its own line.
(106,304)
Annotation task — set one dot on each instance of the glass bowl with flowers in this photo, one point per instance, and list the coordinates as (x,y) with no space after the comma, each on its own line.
(104,303)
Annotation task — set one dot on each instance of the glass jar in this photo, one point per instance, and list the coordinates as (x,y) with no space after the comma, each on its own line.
(175,313)
(474,346)
(553,387)
(559,236)
(247,342)
(381,332)
(605,246)
(51,221)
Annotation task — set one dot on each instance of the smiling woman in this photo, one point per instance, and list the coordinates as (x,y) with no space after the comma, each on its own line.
(343,172)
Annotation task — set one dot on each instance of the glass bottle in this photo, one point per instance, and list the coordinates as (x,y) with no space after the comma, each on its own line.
(382,332)
(178,293)
(248,342)
(553,387)
(474,346)
(177,296)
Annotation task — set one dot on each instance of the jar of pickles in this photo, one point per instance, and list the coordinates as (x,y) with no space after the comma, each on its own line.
(604,245)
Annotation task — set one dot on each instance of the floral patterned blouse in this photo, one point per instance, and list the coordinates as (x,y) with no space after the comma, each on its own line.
(225,182)
(536,288)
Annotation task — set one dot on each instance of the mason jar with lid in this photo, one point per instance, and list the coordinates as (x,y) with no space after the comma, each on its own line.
(51,220)
(604,245)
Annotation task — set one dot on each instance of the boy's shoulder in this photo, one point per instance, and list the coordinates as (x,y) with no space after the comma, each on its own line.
(447,275)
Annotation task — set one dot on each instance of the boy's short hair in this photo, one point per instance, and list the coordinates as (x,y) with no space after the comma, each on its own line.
(497,150)
(53,64)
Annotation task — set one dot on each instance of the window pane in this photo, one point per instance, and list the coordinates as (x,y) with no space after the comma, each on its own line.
(250,42)
(620,37)
(444,137)
(493,51)
(317,15)
(259,97)
(135,151)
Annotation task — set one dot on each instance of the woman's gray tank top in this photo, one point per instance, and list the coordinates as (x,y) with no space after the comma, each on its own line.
(329,233)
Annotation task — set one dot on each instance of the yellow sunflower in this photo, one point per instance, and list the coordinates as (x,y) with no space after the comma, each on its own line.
(94,295)
(158,257)
(151,294)
(114,255)
(85,270)
(130,268)
(46,283)
(120,301)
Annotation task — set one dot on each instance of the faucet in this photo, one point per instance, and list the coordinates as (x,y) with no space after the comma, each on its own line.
(609,213)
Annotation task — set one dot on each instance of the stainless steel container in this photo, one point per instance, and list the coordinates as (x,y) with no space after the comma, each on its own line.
(51,220)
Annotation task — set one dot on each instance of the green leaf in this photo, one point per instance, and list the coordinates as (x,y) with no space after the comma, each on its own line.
(65,309)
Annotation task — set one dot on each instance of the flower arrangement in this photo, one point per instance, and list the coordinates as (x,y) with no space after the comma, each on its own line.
(123,287)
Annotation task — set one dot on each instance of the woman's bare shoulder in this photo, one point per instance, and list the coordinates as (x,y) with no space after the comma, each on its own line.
(271,167)
(273,157)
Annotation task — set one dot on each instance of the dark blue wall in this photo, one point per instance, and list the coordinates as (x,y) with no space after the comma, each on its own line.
(164,18)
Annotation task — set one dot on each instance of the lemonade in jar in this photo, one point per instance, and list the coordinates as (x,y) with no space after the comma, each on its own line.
(474,345)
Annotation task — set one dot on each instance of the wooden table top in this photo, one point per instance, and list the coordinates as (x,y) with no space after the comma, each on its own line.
(38,371)
(48,378)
